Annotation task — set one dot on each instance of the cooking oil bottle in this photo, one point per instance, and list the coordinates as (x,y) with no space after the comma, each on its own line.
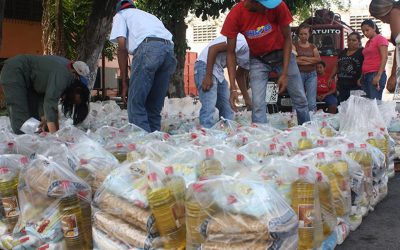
(328,213)
(9,206)
(326,131)
(341,171)
(303,203)
(304,142)
(71,221)
(119,152)
(164,206)
(178,187)
(209,166)
(196,214)
(133,154)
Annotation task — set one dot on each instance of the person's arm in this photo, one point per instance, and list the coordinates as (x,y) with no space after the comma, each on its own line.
(211,57)
(241,78)
(231,65)
(391,82)
(287,50)
(307,60)
(383,52)
(122,55)
(333,73)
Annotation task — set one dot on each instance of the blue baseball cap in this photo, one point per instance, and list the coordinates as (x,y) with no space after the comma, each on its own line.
(270,4)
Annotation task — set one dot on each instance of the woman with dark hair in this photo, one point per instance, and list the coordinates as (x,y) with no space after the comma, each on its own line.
(348,67)
(307,59)
(375,57)
(34,85)
(388,11)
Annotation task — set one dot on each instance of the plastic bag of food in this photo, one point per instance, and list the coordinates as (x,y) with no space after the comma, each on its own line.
(102,241)
(10,166)
(228,126)
(261,151)
(55,205)
(70,135)
(218,216)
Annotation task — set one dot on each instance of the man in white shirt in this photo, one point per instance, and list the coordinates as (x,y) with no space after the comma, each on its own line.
(144,36)
(211,83)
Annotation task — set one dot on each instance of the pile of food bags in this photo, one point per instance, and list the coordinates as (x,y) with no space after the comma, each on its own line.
(237,185)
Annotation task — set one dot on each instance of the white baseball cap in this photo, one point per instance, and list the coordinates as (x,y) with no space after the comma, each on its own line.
(82,69)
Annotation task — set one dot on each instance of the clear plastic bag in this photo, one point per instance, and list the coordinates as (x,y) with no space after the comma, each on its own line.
(30,126)
(217,216)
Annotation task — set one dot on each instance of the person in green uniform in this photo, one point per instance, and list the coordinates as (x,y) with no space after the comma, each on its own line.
(34,85)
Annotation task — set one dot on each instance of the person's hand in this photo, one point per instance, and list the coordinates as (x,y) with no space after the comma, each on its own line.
(282,83)
(42,126)
(124,93)
(359,84)
(375,81)
(233,99)
(247,102)
(391,83)
(207,83)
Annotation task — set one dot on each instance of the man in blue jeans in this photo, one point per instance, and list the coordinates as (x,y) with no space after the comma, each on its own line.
(210,80)
(144,36)
(266,27)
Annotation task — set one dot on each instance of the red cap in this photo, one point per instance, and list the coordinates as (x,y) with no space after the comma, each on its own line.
(119,145)
(165,136)
(320,142)
(272,146)
(363,145)
(132,147)
(324,124)
(152,176)
(231,199)
(209,152)
(321,155)
(319,176)
(239,157)
(193,135)
(303,133)
(289,144)
(10,144)
(4,170)
(245,139)
(338,153)
(24,160)
(121,130)
(83,161)
(302,171)
(197,187)
(382,129)
(169,170)
(370,134)
(350,145)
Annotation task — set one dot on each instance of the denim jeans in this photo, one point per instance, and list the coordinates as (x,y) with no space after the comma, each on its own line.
(370,89)
(259,73)
(310,85)
(216,97)
(153,64)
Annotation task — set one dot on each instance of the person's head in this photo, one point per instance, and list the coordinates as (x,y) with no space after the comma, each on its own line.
(75,101)
(381,9)
(304,32)
(369,28)
(321,65)
(124,4)
(354,40)
(261,5)
(81,71)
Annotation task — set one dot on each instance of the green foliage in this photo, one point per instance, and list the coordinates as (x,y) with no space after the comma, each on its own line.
(75,15)
(304,9)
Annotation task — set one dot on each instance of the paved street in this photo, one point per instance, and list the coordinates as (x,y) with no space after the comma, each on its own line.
(380,230)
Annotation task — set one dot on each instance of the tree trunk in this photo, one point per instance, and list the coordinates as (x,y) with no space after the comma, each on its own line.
(2,7)
(178,30)
(47,27)
(59,46)
(96,31)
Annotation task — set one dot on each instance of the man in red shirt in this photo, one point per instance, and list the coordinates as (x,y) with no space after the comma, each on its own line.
(266,27)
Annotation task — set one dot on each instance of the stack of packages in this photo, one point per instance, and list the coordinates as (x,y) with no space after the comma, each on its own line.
(54,209)
(134,208)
